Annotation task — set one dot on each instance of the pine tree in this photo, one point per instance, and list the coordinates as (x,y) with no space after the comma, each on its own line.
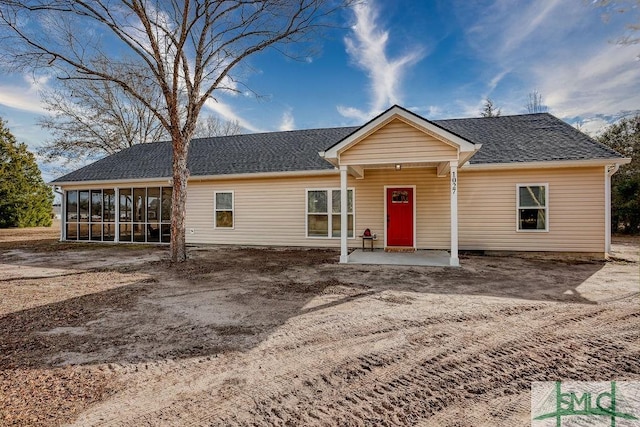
(25,200)
(489,109)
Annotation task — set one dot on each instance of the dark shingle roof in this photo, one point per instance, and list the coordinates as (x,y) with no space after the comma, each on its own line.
(251,153)
(506,139)
(526,138)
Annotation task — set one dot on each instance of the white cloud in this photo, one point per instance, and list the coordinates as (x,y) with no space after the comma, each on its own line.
(367,47)
(504,27)
(593,125)
(24,96)
(605,82)
(229,86)
(561,48)
(493,83)
(225,111)
(355,113)
(434,111)
(469,108)
(287,122)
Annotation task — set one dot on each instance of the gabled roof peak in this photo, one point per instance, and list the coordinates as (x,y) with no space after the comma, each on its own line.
(411,118)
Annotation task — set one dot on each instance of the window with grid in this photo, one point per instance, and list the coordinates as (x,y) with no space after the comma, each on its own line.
(324,211)
(533,210)
(223,209)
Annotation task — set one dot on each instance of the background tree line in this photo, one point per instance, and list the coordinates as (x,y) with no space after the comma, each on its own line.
(25,199)
(624,137)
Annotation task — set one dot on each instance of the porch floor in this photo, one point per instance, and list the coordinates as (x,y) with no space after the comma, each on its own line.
(430,258)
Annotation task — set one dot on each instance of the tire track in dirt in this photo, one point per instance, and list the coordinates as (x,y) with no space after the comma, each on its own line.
(404,386)
(403,371)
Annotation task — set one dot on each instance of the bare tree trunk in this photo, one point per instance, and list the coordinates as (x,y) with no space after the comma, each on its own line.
(181,53)
(179,198)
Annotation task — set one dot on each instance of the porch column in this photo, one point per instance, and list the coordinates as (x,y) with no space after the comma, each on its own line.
(63,215)
(453,260)
(344,250)
(116,235)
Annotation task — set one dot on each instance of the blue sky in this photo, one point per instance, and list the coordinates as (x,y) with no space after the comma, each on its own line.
(440,59)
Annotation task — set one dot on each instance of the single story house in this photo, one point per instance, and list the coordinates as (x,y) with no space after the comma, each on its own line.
(512,183)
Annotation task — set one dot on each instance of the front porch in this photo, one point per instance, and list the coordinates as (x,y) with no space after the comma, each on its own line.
(398,141)
(426,258)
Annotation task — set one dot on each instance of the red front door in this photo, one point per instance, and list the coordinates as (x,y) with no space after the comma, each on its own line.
(400,217)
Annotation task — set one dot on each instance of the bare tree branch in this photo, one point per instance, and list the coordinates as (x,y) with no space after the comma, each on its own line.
(92,117)
(626,7)
(535,104)
(189,50)
(212,126)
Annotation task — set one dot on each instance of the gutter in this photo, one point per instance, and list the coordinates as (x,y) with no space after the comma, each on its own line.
(197,178)
(546,164)
(55,187)
(616,166)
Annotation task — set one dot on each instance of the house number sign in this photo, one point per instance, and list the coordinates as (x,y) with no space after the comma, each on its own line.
(454,182)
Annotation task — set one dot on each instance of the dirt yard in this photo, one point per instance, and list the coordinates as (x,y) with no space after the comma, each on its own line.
(114,335)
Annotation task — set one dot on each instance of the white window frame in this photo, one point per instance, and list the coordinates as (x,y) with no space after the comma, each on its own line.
(546,208)
(329,213)
(215,209)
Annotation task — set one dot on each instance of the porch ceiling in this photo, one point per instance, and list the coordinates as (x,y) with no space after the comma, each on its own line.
(402,165)
(442,168)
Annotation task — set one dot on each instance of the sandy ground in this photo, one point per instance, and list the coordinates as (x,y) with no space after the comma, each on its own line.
(114,335)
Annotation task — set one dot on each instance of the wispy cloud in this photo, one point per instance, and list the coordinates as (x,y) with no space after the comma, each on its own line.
(225,111)
(493,83)
(504,27)
(561,48)
(287,122)
(603,83)
(367,47)
(24,95)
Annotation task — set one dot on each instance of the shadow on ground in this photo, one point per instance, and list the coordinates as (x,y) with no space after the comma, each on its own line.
(231,299)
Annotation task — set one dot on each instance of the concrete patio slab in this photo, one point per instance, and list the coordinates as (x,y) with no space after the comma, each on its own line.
(430,258)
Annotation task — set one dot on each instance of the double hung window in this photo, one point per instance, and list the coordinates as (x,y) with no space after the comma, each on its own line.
(533,210)
(324,210)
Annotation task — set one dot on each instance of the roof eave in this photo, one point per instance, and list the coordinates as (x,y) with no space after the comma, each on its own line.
(547,164)
(102,181)
(332,160)
(195,178)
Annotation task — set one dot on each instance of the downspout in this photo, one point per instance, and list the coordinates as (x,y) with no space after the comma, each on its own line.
(615,169)
(608,173)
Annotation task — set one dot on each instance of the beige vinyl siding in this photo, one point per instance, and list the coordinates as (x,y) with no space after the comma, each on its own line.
(432,204)
(272,211)
(267,211)
(398,142)
(487,210)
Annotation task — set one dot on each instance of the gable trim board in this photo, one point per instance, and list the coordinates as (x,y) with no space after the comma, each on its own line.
(466,198)
(398,113)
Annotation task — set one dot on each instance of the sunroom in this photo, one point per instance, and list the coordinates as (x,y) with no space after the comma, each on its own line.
(118,214)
